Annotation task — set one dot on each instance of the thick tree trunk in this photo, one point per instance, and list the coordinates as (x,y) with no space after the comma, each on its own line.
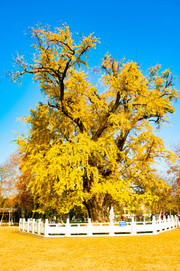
(96,209)
(98,204)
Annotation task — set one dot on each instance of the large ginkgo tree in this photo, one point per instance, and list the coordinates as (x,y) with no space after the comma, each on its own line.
(87,147)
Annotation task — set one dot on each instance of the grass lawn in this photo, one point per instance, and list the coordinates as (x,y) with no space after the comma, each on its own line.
(22,251)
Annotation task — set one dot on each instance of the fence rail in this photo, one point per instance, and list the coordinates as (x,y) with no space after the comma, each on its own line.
(97,229)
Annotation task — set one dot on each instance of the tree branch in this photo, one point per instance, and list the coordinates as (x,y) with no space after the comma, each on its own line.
(105,124)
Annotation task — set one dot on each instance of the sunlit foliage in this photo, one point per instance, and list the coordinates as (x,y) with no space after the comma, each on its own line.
(87,147)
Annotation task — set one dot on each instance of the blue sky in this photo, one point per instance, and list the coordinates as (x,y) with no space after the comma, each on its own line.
(144,31)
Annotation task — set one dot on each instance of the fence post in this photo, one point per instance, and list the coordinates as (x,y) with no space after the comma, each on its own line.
(28,224)
(160,223)
(177,221)
(133,225)
(89,227)
(154,224)
(111,224)
(168,222)
(67,227)
(46,227)
(33,221)
(174,221)
(20,221)
(164,222)
(23,220)
(39,226)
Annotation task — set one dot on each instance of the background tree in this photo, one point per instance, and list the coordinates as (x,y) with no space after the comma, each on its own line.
(24,198)
(1,182)
(13,186)
(91,148)
(174,181)
(8,176)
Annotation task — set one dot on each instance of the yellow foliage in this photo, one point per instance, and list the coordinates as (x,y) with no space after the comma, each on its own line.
(90,147)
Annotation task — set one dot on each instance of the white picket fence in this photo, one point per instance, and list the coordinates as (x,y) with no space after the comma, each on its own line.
(97,229)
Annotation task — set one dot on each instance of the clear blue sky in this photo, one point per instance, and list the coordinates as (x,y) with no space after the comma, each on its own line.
(144,31)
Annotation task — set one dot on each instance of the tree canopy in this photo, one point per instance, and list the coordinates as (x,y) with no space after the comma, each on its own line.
(174,180)
(87,147)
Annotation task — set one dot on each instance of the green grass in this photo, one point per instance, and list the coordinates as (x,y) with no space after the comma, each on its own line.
(22,251)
